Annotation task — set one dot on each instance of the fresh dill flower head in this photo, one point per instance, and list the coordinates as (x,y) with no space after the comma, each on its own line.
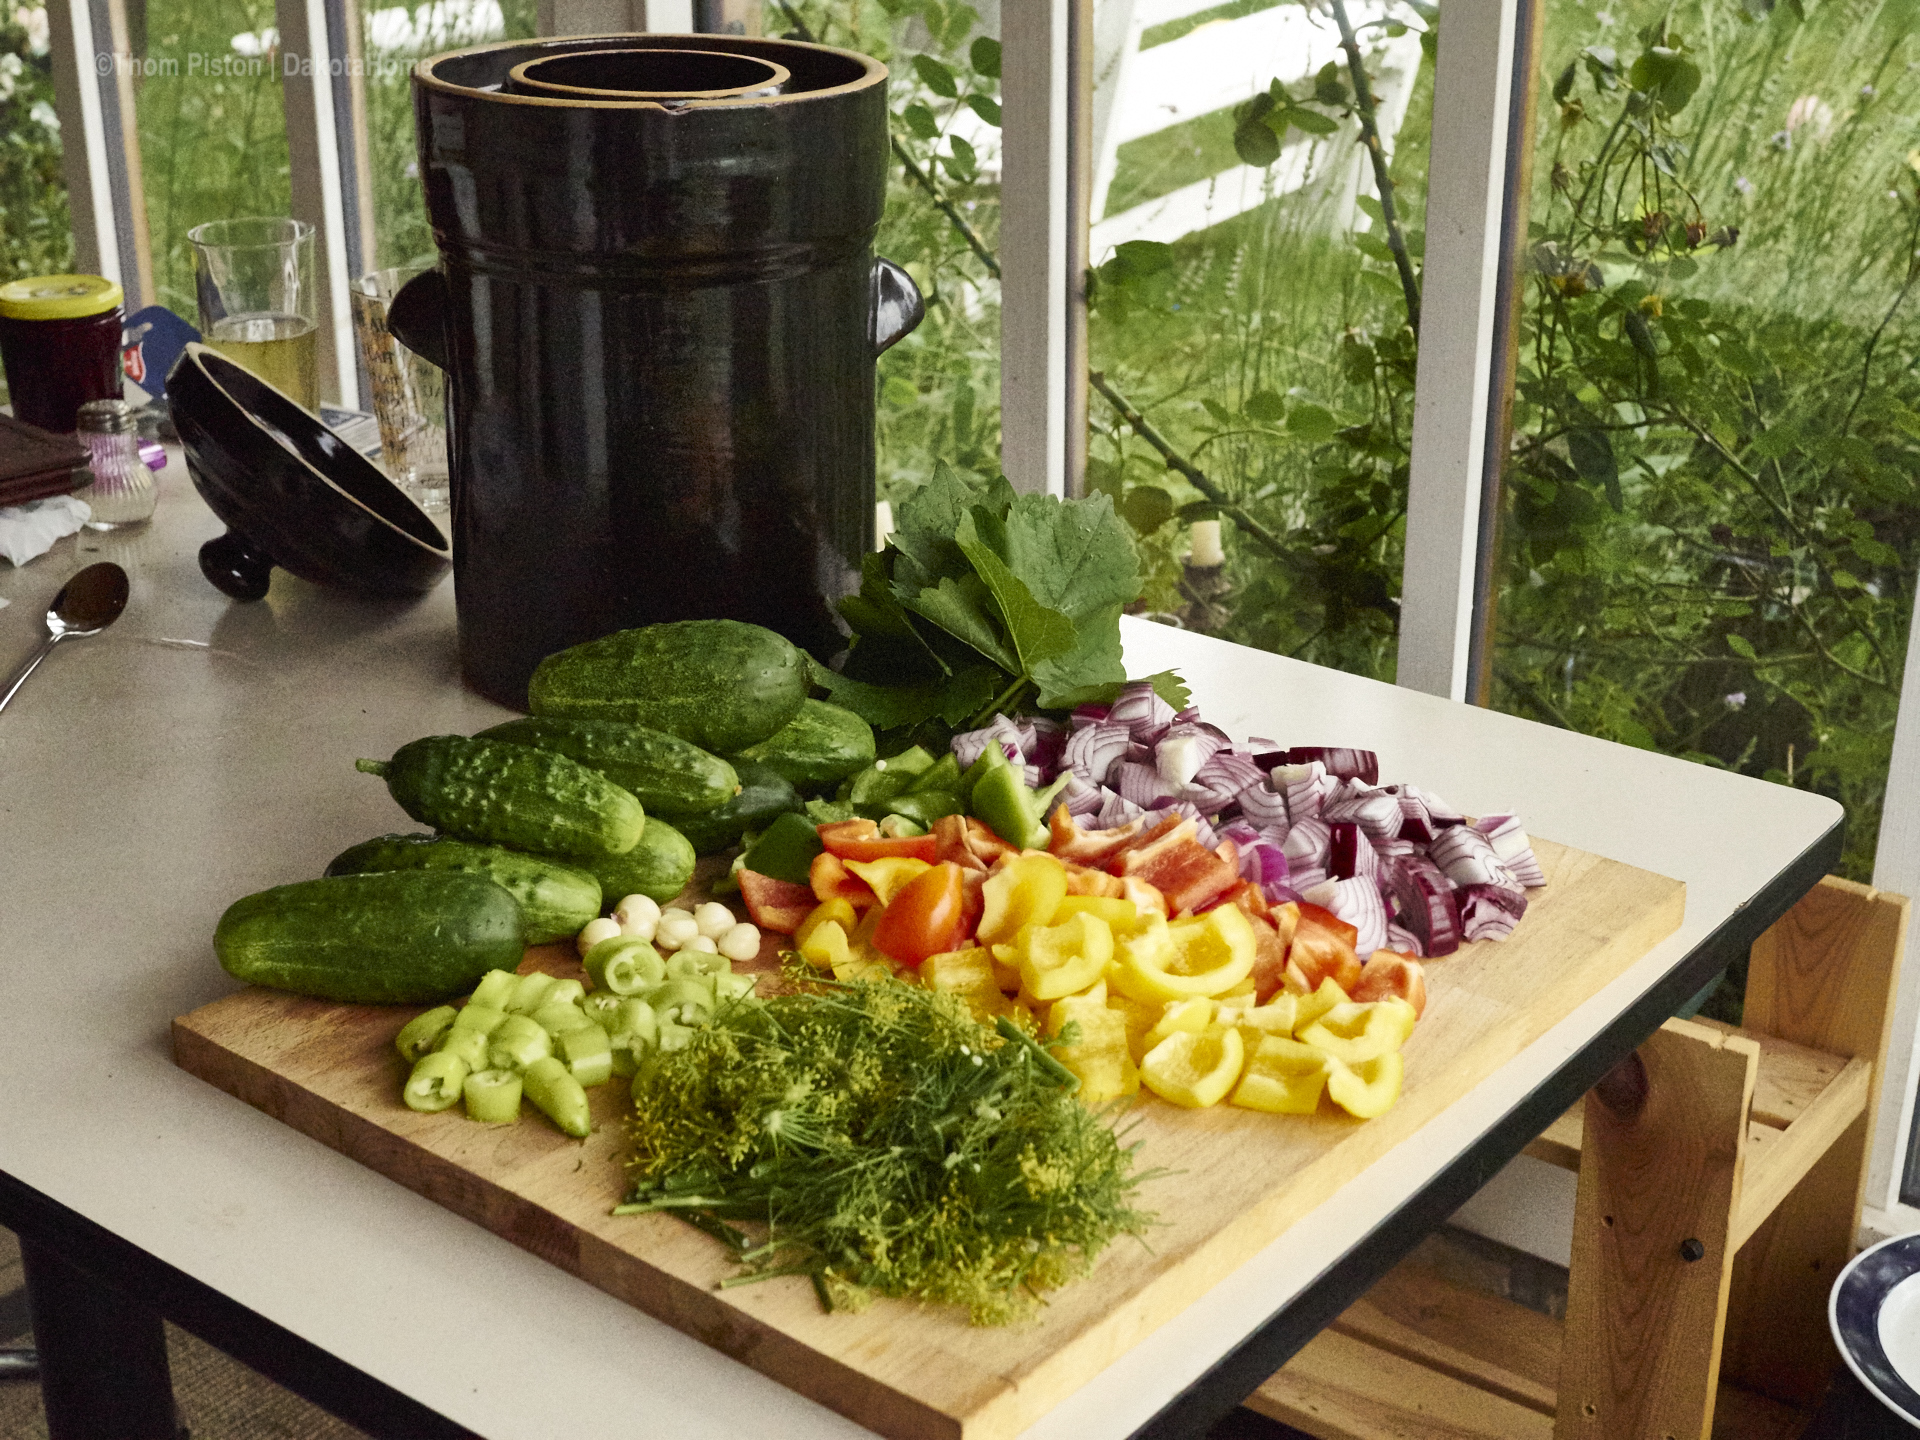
(880,1141)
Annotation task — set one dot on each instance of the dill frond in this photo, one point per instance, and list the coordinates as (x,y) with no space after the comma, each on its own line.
(881,1142)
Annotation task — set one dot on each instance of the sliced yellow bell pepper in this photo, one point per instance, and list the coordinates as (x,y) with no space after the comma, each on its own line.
(1352,1033)
(1099,1056)
(967,973)
(1140,1017)
(837,910)
(1283,1077)
(1206,955)
(1022,890)
(1188,1017)
(1279,1016)
(1194,1070)
(890,876)
(1369,1088)
(1312,1007)
(1245,990)
(825,946)
(1120,915)
(1060,960)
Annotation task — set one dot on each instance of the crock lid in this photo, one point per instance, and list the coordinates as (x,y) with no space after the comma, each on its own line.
(58,297)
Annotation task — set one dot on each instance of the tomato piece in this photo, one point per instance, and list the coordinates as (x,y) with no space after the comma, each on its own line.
(927,916)
(861,840)
(1388,975)
(777,905)
(1323,948)
(831,880)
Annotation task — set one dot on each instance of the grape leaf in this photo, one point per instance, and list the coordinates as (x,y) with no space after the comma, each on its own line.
(961,608)
(1038,631)
(1077,559)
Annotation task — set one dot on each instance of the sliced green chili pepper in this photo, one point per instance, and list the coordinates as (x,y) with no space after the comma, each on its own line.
(435,1082)
(483,1018)
(696,965)
(733,987)
(603,1008)
(689,1001)
(625,965)
(518,1043)
(562,1019)
(785,849)
(495,989)
(422,1033)
(564,992)
(529,994)
(638,1022)
(588,1055)
(469,1045)
(558,1095)
(493,1096)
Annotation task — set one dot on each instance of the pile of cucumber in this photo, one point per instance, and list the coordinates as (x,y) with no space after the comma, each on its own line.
(646,749)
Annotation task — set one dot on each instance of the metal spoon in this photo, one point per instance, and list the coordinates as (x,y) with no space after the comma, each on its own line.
(86,605)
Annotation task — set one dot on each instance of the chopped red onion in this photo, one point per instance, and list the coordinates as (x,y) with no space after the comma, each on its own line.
(1439,813)
(1240,832)
(1142,711)
(1115,811)
(1308,842)
(1306,787)
(1511,844)
(1084,715)
(1092,752)
(1392,850)
(1377,812)
(1082,799)
(1350,853)
(1181,752)
(1426,905)
(969,745)
(1469,859)
(1047,740)
(1489,912)
(1357,901)
(1279,892)
(1405,941)
(1262,806)
(1142,784)
(1321,892)
(1230,772)
(1362,765)
(1415,823)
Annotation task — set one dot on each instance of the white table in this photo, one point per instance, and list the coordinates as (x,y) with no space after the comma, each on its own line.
(203,749)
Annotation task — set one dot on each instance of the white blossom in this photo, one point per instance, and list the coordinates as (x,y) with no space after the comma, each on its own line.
(33,20)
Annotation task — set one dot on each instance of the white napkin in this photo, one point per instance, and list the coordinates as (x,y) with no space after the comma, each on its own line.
(28,531)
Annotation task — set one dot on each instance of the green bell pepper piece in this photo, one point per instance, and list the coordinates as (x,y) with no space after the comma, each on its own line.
(1013,811)
(943,774)
(926,806)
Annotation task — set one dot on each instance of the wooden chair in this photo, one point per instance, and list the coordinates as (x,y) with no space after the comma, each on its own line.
(1721,1172)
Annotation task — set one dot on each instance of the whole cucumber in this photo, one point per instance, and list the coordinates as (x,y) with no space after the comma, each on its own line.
(555,899)
(764,793)
(815,750)
(511,795)
(404,937)
(722,684)
(658,867)
(662,771)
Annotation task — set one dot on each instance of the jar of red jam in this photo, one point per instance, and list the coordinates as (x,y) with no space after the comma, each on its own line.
(60,343)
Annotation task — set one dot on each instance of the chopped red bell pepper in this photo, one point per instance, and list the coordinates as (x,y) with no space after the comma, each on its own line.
(861,840)
(778,905)
(1067,841)
(1323,948)
(831,880)
(1269,959)
(1250,898)
(1182,869)
(1389,974)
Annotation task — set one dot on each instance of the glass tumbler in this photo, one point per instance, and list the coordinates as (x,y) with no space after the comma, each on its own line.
(254,281)
(123,490)
(409,393)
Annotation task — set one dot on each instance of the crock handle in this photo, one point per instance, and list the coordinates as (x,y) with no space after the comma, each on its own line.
(417,317)
(897,306)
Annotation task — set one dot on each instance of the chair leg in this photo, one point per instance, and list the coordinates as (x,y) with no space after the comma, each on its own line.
(103,1360)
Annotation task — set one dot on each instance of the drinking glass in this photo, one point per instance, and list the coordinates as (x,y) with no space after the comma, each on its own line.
(254,279)
(409,393)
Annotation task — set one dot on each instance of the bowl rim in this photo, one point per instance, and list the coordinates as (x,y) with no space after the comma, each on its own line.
(1851,1294)
(196,355)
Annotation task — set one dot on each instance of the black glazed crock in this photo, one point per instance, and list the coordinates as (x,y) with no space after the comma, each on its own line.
(291,492)
(659,321)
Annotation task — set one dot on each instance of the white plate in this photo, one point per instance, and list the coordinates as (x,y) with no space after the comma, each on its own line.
(1874,1310)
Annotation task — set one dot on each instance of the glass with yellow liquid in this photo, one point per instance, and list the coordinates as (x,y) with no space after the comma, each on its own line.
(254,279)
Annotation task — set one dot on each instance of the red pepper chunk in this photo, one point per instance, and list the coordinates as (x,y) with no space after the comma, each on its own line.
(1323,948)
(777,905)
(831,880)
(1182,869)
(927,917)
(861,840)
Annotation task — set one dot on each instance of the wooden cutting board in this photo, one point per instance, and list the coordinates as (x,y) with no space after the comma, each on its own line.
(1238,1178)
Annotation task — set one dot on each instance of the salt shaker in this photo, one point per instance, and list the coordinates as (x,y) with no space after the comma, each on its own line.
(122,492)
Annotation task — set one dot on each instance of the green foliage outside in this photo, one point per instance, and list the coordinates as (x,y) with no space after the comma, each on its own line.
(36,237)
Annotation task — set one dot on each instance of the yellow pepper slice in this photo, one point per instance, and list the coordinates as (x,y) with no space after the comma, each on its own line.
(1189,1017)
(825,947)
(1140,1017)
(1194,1070)
(1353,1033)
(837,910)
(1099,1057)
(1279,1016)
(967,973)
(1120,915)
(1369,1088)
(1313,1006)
(1283,1077)
(1023,890)
(1060,960)
(1206,955)
(890,876)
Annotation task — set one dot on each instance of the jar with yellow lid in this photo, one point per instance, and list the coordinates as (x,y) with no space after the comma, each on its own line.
(60,343)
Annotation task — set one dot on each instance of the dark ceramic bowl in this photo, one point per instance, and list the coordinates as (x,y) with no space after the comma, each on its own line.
(291,492)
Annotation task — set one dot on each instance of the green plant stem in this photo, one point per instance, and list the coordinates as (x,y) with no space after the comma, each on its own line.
(947,208)
(1873,340)
(1363,107)
(1190,472)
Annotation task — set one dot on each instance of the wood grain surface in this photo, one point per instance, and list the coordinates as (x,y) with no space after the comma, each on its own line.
(1238,1179)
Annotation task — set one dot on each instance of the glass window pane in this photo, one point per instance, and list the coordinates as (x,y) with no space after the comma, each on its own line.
(392,38)
(939,389)
(213,133)
(1708,511)
(36,235)
(1248,301)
